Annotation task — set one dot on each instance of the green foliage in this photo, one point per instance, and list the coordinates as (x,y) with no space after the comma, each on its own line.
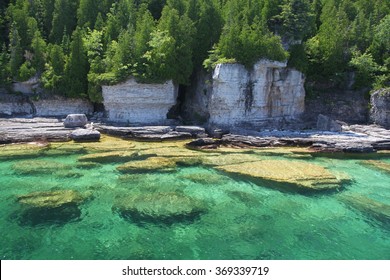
(158,40)
(26,71)
(76,68)
(298,58)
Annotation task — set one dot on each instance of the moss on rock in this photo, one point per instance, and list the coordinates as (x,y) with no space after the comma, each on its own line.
(115,156)
(164,208)
(286,175)
(149,164)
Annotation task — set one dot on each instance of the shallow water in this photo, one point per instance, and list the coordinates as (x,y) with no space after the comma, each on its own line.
(244,220)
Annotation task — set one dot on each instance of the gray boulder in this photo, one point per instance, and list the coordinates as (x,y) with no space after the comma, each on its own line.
(85,135)
(75,120)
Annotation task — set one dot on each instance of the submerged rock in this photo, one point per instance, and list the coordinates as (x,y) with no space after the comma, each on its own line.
(167,208)
(51,199)
(204,178)
(286,175)
(380,165)
(56,207)
(32,167)
(373,208)
(149,164)
(114,156)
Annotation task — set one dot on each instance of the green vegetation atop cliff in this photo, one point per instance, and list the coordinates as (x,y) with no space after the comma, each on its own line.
(75,46)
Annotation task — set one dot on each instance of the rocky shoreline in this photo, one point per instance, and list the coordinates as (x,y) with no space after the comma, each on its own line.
(352,139)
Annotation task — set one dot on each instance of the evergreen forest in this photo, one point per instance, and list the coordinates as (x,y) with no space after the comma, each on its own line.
(75,46)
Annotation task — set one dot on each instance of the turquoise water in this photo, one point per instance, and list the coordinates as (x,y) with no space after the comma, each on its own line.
(243,220)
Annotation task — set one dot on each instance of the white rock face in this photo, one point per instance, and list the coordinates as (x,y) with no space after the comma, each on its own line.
(59,106)
(269,92)
(134,103)
(15,108)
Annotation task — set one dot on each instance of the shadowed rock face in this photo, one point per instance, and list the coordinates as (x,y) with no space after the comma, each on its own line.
(56,207)
(167,208)
(288,175)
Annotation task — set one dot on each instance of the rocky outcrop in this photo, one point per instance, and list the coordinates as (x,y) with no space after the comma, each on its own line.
(353,139)
(135,103)
(153,133)
(29,130)
(57,106)
(268,93)
(45,106)
(380,108)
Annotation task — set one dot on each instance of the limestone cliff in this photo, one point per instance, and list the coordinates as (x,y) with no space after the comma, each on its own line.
(268,92)
(135,103)
(380,108)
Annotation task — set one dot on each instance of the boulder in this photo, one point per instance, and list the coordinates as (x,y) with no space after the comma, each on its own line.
(85,135)
(166,208)
(288,175)
(380,108)
(204,143)
(75,120)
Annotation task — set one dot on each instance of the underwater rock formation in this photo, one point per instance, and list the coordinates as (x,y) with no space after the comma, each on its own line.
(288,175)
(379,165)
(53,207)
(149,164)
(115,156)
(368,206)
(167,208)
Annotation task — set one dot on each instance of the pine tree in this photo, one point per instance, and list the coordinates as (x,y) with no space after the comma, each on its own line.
(38,46)
(16,56)
(87,13)
(76,69)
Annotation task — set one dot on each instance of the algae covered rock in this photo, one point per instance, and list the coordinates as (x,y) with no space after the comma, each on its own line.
(164,208)
(51,199)
(114,156)
(377,210)
(229,159)
(283,174)
(32,167)
(149,164)
(53,207)
(376,164)
(204,178)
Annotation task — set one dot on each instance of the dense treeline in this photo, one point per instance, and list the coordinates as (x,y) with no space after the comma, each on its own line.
(75,46)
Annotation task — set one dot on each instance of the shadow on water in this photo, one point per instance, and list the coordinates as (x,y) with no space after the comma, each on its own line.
(41,216)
